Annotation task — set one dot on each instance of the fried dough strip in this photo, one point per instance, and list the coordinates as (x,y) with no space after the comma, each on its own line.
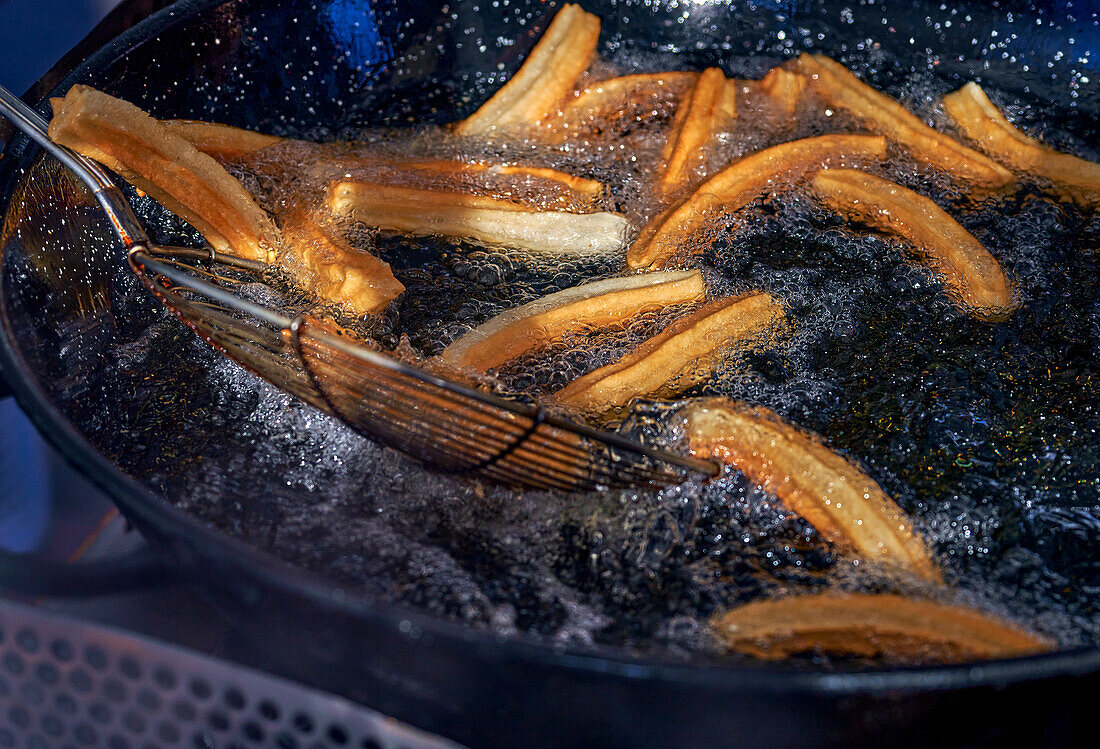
(879,625)
(589,188)
(591,306)
(842,502)
(840,87)
(972,275)
(681,356)
(703,112)
(228,143)
(579,192)
(223,142)
(496,222)
(545,78)
(609,99)
(1073,178)
(163,164)
(325,262)
(771,170)
(783,87)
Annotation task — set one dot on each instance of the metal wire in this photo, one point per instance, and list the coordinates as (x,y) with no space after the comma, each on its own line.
(439,422)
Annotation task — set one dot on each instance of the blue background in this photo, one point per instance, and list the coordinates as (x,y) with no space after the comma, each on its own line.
(44,505)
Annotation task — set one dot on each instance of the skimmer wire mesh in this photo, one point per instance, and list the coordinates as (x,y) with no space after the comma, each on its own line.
(435,420)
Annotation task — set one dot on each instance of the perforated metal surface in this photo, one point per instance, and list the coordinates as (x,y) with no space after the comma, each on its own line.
(68,684)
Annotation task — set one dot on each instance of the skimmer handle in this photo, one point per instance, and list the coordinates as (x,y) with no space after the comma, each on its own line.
(106,192)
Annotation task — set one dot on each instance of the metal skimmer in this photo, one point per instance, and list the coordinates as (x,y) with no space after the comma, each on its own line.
(435,420)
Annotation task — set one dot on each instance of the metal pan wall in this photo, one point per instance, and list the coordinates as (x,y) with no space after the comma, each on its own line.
(70,313)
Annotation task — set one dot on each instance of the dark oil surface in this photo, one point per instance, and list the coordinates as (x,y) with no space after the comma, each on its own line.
(986,434)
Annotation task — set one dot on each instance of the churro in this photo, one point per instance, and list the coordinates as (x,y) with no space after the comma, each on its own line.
(702,113)
(768,171)
(681,356)
(223,142)
(547,75)
(639,95)
(166,166)
(783,87)
(592,306)
(972,276)
(979,119)
(321,259)
(845,505)
(539,187)
(868,625)
(589,188)
(484,219)
(842,89)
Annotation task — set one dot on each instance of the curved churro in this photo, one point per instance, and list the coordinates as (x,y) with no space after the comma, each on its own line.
(702,113)
(545,78)
(681,356)
(324,261)
(1072,178)
(591,306)
(840,87)
(771,170)
(844,504)
(178,176)
(495,222)
(871,626)
(971,274)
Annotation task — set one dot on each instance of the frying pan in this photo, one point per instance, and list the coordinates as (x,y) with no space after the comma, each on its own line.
(149,430)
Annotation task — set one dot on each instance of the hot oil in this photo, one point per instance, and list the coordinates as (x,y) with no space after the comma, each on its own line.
(986,434)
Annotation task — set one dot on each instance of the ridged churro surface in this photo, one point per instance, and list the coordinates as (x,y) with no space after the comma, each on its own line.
(593,306)
(685,354)
(1070,177)
(888,627)
(534,93)
(839,499)
(168,167)
(970,273)
(766,172)
(841,88)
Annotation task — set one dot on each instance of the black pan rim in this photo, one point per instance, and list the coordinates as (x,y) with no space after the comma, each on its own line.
(149,510)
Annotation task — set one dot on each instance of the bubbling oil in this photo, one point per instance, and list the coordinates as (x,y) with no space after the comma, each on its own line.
(985,434)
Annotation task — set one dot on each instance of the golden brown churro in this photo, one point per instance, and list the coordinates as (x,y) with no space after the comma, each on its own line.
(868,625)
(163,164)
(612,99)
(545,78)
(771,170)
(559,188)
(784,87)
(1072,178)
(703,112)
(495,222)
(842,502)
(681,356)
(972,276)
(591,306)
(324,261)
(223,142)
(582,185)
(840,88)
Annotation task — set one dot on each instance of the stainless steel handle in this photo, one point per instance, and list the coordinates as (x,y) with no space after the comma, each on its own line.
(35,127)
